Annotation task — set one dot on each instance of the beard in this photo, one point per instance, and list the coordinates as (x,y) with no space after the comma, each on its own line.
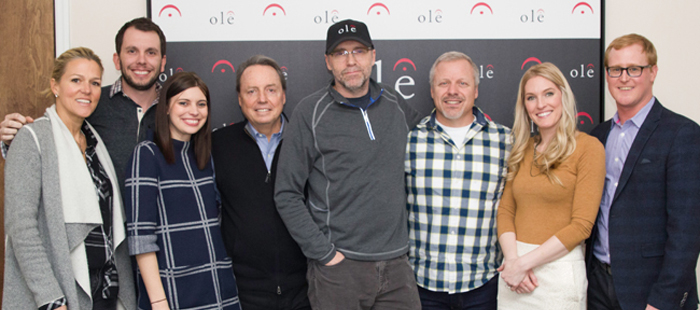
(141,87)
(353,85)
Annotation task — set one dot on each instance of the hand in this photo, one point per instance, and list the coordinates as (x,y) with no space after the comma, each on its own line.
(64,307)
(339,257)
(12,123)
(512,273)
(650,307)
(529,284)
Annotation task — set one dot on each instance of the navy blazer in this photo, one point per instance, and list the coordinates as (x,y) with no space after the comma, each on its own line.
(654,221)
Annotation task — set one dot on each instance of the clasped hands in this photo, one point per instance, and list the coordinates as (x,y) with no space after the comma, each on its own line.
(517,277)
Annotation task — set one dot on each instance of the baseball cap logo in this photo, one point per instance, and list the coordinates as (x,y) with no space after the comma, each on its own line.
(274,8)
(582,9)
(585,115)
(407,61)
(530,59)
(224,63)
(171,9)
(378,10)
(483,6)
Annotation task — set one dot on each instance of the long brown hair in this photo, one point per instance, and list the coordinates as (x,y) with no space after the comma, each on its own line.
(201,140)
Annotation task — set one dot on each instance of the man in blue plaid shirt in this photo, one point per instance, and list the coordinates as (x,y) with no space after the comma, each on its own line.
(455,174)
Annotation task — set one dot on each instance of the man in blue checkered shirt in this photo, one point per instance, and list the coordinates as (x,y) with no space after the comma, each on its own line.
(455,174)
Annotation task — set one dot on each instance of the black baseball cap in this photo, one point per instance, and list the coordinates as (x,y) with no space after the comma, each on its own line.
(346,30)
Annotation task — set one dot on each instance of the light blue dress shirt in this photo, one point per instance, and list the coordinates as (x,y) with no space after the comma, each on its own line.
(267,148)
(617,147)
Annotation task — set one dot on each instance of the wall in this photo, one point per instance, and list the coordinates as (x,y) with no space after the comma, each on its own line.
(94,24)
(672,25)
(674,29)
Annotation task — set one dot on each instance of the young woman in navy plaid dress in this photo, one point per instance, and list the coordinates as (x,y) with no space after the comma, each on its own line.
(172,207)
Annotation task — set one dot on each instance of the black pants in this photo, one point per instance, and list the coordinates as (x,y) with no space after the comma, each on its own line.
(601,292)
(289,299)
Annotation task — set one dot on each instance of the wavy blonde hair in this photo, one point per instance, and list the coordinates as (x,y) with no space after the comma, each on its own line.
(564,142)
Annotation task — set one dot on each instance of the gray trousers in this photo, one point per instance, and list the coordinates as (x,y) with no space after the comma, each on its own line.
(353,284)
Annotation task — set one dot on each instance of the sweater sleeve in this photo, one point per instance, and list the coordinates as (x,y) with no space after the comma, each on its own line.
(588,191)
(141,199)
(296,161)
(23,189)
(506,210)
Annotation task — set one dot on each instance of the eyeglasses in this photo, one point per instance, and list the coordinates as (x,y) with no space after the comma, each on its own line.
(358,52)
(634,71)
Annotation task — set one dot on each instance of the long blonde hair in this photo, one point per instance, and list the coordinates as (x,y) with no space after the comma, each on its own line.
(564,142)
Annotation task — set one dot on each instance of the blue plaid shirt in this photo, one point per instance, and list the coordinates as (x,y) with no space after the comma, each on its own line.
(453,194)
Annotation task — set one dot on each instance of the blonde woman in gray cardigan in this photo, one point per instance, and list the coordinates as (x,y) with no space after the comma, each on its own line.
(65,244)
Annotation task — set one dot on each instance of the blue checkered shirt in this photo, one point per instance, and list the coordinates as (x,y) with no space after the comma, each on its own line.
(453,194)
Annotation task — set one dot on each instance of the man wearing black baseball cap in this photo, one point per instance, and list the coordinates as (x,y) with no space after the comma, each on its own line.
(340,182)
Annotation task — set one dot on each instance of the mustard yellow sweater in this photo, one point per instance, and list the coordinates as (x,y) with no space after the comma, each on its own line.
(537,209)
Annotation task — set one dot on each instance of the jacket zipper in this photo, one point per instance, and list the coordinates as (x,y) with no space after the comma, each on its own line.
(368,125)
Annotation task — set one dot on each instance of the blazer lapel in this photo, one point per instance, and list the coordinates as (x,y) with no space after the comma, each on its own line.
(640,141)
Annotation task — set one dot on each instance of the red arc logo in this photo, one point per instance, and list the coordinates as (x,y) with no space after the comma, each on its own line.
(223,62)
(406,60)
(170,6)
(483,5)
(378,4)
(274,5)
(584,4)
(586,115)
(529,60)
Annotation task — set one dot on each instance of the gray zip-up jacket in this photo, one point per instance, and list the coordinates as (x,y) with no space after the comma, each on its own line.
(350,161)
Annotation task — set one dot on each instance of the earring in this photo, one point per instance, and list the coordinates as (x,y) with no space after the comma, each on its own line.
(532,128)
(55,95)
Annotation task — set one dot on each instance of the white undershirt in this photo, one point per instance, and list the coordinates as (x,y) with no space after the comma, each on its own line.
(457,134)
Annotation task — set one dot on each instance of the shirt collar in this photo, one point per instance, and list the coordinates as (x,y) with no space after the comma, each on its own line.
(480,118)
(255,133)
(638,118)
(117,88)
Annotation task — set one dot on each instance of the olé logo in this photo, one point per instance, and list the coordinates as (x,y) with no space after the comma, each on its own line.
(530,59)
(533,16)
(327,17)
(587,72)
(481,8)
(488,74)
(431,17)
(581,7)
(347,28)
(377,9)
(222,19)
(583,116)
(163,76)
(274,9)
(224,64)
(169,10)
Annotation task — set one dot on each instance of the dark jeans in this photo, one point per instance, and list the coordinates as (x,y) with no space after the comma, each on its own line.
(289,299)
(601,292)
(481,298)
(353,284)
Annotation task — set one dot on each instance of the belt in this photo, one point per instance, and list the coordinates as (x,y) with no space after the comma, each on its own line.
(605,266)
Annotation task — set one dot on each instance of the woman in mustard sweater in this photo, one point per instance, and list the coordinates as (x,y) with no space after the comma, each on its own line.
(551,198)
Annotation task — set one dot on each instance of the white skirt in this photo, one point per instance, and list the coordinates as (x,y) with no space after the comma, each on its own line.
(562,284)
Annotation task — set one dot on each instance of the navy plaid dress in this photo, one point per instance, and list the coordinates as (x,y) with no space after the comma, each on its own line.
(173,210)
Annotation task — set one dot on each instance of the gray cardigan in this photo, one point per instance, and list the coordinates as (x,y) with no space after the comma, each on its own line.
(38,266)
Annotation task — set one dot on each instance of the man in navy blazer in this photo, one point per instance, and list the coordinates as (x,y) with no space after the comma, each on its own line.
(644,247)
